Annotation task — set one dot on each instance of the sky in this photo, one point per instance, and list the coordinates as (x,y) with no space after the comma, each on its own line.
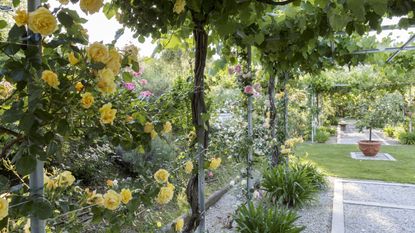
(101,29)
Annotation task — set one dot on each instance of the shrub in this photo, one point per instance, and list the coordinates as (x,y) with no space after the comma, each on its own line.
(322,136)
(389,131)
(407,138)
(263,219)
(317,178)
(292,186)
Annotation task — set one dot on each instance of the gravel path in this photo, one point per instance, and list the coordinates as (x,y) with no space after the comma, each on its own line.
(317,216)
(370,219)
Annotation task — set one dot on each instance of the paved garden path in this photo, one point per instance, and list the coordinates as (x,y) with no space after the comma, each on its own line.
(373,207)
(352,135)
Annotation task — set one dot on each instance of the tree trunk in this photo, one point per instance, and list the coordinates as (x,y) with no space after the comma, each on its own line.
(286,136)
(275,153)
(202,127)
(249,183)
(370,134)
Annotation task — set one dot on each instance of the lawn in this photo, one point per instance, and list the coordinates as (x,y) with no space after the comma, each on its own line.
(335,160)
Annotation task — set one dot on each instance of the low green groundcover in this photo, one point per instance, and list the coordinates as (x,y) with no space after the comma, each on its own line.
(335,160)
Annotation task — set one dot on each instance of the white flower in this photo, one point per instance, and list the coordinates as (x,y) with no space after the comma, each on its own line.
(243,182)
(232,183)
(115,182)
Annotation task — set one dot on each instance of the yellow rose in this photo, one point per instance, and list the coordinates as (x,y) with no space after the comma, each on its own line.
(107,114)
(148,127)
(167,127)
(215,163)
(188,167)
(126,196)
(65,179)
(72,59)
(179,6)
(98,52)
(129,119)
(64,2)
(87,100)
(91,6)
(4,208)
(79,86)
(42,21)
(165,195)
(21,17)
(153,134)
(158,224)
(50,183)
(110,183)
(286,151)
(161,176)
(6,89)
(112,200)
(106,84)
(179,225)
(99,199)
(50,78)
(114,61)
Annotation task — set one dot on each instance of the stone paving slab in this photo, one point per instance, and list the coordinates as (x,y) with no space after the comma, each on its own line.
(398,195)
(379,156)
(369,219)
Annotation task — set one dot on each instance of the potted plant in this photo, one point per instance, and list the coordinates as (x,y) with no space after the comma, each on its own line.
(376,114)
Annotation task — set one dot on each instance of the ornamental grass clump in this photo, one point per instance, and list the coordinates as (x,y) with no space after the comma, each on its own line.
(293,186)
(264,219)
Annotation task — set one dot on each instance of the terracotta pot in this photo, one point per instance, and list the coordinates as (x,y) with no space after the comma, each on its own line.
(369,148)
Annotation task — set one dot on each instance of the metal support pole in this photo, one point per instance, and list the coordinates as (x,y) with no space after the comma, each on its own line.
(36,178)
(286,106)
(249,181)
(410,109)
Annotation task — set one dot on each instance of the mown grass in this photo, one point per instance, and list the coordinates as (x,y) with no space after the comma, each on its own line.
(335,160)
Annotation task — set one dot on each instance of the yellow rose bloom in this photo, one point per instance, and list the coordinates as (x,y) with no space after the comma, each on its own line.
(87,100)
(42,21)
(215,163)
(107,114)
(167,127)
(161,176)
(99,199)
(153,134)
(148,127)
(179,6)
(110,183)
(170,186)
(158,224)
(129,119)
(188,167)
(4,208)
(50,78)
(21,17)
(126,196)
(165,195)
(114,61)
(72,59)
(91,6)
(112,200)
(64,2)
(98,52)
(286,151)
(106,84)
(79,86)
(179,225)
(65,179)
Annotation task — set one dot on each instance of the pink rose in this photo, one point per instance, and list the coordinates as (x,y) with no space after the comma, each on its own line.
(210,174)
(238,69)
(249,90)
(146,94)
(136,74)
(143,82)
(129,86)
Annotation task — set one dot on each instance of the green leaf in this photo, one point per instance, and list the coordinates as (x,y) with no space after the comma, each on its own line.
(65,19)
(259,38)
(16,33)
(3,24)
(379,6)
(338,21)
(16,3)
(97,66)
(127,77)
(26,165)
(109,10)
(19,75)
(357,8)
(42,208)
(26,122)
